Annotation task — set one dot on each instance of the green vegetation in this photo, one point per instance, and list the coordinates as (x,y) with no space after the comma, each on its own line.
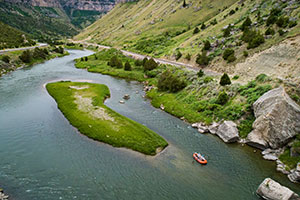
(225,80)
(288,160)
(82,104)
(170,82)
(229,55)
(13,38)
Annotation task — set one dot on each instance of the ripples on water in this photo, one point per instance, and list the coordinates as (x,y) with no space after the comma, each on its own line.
(43,157)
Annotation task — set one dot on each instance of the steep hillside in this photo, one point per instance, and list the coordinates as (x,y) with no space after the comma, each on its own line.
(174,31)
(11,37)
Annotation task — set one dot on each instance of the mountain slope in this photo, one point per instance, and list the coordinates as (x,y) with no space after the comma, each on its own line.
(11,37)
(167,29)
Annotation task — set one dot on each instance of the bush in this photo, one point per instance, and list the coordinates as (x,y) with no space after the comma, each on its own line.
(270,31)
(86,59)
(271,20)
(203,26)
(196,30)
(202,59)
(178,55)
(206,45)
(188,57)
(282,22)
(222,98)
(81,59)
(228,52)
(236,77)
(214,22)
(281,32)
(5,59)
(144,61)
(200,73)
(59,50)
(39,53)
(226,32)
(150,65)
(26,56)
(138,62)
(245,53)
(246,24)
(256,41)
(231,12)
(208,79)
(231,58)
(115,62)
(169,82)
(127,66)
(225,80)
(262,78)
(292,24)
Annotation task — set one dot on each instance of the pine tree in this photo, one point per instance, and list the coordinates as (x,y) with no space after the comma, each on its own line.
(225,80)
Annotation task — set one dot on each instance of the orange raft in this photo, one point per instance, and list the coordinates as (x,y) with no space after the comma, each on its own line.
(199,158)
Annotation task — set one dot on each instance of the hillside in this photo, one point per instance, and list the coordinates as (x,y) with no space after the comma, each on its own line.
(11,37)
(167,29)
(53,18)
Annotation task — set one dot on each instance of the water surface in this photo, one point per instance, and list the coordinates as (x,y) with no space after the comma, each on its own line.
(43,157)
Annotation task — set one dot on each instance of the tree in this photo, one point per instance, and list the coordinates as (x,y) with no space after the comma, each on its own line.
(200,73)
(86,59)
(222,98)
(202,59)
(26,56)
(150,65)
(138,62)
(169,82)
(188,57)
(145,60)
(127,66)
(246,24)
(5,59)
(225,80)
(226,31)
(196,30)
(227,53)
(81,59)
(206,45)
(203,26)
(178,55)
(270,31)
(184,4)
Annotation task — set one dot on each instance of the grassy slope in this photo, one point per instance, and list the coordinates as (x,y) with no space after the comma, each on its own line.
(128,24)
(122,132)
(11,37)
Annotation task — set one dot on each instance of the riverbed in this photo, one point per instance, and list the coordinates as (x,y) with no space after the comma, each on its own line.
(43,157)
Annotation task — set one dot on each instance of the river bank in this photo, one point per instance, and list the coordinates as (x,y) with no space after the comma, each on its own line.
(13,60)
(203,100)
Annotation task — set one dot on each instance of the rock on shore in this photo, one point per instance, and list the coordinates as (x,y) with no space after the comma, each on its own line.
(228,132)
(271,190)
(295,175)
(277,120)
(3,196)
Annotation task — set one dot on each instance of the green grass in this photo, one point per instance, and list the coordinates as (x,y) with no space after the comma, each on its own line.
(115,129)
(290,162)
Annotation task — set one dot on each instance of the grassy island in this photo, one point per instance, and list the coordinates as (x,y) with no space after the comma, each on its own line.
(82,104)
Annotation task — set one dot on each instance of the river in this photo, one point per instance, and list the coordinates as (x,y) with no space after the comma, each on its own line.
(43,157)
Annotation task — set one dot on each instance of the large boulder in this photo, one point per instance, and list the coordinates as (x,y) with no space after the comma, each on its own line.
(277,120)
(228,132)
(271,190)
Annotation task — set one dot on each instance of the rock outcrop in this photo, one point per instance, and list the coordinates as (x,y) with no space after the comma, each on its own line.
(277,120)
(295,175)
(228,132)
(271,190)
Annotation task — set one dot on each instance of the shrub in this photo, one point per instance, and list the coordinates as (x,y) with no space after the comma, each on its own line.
(206,45)
(26,56)
(262,78)
(214,22)
(281,32)
(292,24)
(200,73)
(59,50)
(270,31)
(256,41)
(203,26)
(46,51)
(231,12)
(144,61)
(236,77)
(202,59)
(246,24)
(222,98)
(225,80)
(245,53)
(282,22)
(184,4)
(271,20)
(226,32)
(227,53)
(138,62)
(231,58)
(5,59)
(38,53)
(169,82)
(150,65)
(196,30)
(152,73)
(127,66)
(208,79)
(188,56)
(86,59)
(178,55)
(81,59)
(115,62)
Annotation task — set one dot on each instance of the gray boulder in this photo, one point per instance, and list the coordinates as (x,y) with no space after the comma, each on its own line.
(277,120)
(228,132)
(295,175)
(271,190)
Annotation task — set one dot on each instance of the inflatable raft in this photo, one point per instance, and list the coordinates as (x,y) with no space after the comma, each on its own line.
(199,158)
